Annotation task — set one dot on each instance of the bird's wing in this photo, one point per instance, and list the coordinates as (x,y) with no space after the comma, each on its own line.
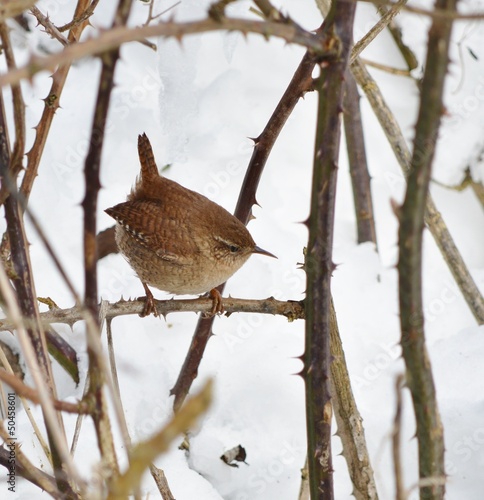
(152,226)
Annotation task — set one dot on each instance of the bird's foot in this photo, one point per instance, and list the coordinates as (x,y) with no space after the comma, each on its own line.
(150,306)
(217,304)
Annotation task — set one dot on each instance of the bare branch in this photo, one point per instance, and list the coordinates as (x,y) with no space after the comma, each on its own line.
(412,216)
(56,437)
(51,104)
(12,8)
(80,17)
(157,474)
(113,38)
(161,482)
(433,219)
(387,69)
(397,36)
(338,27)
(144,453)
(33,343)
(385,20)
(396,442)
(360,177)
(292,310)
(18,150)
(301,82)
(24,468)
(349,421)
(92,166)
(29,393)
(49,27)
(442,14)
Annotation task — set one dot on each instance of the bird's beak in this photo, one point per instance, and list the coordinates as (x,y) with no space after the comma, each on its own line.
(263,252)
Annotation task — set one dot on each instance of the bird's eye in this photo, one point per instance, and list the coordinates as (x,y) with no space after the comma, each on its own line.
(234,248)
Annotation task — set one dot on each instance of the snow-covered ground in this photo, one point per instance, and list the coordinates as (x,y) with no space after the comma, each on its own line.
(198,102)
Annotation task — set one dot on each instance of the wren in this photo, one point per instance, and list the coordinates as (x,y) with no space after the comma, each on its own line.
(178,240)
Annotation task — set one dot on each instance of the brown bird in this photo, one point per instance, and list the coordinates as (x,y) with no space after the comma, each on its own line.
(178,240)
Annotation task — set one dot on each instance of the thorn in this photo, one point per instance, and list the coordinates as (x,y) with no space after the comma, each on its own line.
(303,372)
(397,209)
(179,39)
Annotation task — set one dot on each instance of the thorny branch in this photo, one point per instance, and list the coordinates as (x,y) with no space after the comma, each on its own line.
(433,219)
(80,17)
(338,28)
(115,37)
(49,26)
(51,104)
(29,393)
(26,298)
(360,177)
(301,82)
(18,149)
(92,167)
(292,310)
(412,219)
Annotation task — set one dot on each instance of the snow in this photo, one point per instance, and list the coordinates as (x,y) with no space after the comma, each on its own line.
(198,102)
